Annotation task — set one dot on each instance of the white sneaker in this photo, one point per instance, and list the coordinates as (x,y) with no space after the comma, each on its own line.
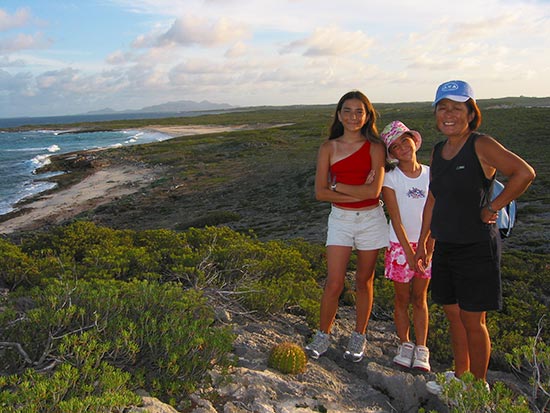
(319,345)
(421,358)
(405,354)
(356,347)
(434,387)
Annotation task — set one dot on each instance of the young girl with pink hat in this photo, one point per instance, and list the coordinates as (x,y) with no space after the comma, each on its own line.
(404,191)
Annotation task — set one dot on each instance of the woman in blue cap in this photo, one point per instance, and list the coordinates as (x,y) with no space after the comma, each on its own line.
(461,218)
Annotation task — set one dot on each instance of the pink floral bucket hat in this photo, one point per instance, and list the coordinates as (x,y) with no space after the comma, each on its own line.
(395,130)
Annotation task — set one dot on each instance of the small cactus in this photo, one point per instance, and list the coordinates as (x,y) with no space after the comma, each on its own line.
(288,358)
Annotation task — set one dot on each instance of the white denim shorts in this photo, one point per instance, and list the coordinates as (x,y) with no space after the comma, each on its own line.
(363,230)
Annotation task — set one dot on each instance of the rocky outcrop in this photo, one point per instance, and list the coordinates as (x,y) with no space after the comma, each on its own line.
(329,384)
(153,405)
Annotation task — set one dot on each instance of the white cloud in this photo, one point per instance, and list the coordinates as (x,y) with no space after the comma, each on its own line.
(23,41)
(57,79)
(483,28)
(195,31)
(192,30)
(18,83)
(117,58)
(6,61)
(239,49)
(20,18)
(331,41)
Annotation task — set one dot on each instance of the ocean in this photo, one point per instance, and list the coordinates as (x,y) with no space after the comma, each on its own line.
(103,117)
(22,153)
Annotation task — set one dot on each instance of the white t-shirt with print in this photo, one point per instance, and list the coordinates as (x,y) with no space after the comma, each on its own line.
(411,195)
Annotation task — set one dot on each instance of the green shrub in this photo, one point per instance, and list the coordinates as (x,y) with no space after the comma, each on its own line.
(162,335)
(276,295)
(170,252)
(384,297)
(314,254)
(17,267)
(87,251)
(439,340)
(531,361)
(269,277)
(82,382)
(471,395)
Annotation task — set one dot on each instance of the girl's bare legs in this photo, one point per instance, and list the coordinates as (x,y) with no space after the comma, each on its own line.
(420,309)
(479,342)
(402,299)
(459,339)
(337,263)
(364,288)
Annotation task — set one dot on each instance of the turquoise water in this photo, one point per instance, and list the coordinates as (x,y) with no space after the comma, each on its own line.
(21,153)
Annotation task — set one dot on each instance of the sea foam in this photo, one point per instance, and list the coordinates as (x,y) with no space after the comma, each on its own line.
(40,160)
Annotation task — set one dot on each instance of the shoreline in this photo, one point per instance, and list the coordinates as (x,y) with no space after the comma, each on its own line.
(100,187)
(189,130)
(104,184)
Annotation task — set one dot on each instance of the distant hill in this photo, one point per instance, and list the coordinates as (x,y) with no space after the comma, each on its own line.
(169,107)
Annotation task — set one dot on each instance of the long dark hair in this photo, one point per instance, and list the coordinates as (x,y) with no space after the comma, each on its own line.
(473,108)
(369,129)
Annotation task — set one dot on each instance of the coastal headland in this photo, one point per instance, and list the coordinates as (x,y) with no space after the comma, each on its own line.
(98,182)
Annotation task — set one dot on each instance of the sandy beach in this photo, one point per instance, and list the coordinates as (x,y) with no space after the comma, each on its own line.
(101,187)
(187,130)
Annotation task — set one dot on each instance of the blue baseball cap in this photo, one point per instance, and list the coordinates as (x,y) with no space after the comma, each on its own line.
(456,90)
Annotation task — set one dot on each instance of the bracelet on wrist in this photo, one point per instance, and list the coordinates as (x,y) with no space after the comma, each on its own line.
(490,209)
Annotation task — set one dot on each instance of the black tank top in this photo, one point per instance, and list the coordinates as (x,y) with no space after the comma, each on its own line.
(460,189)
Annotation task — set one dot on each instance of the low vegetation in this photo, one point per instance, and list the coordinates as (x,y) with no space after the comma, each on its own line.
(96,313)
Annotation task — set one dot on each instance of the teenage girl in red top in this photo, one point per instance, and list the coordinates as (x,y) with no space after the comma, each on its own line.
(352,156)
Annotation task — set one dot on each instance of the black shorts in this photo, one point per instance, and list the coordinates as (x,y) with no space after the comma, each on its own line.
(467,275)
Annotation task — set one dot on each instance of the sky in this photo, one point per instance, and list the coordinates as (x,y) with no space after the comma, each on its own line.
(71,57)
